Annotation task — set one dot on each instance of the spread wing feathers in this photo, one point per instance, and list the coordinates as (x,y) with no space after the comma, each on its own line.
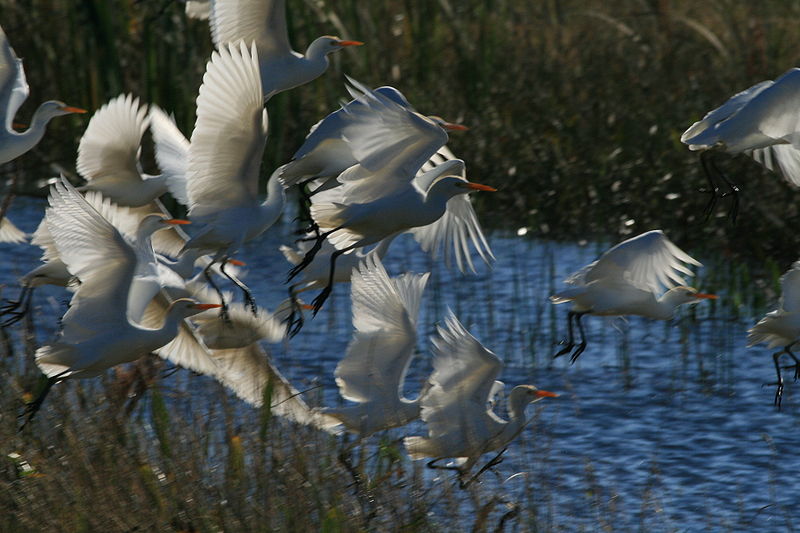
(168,241)
(453,232)
(324,151)
(384,317)
(249,373)
(97,254)
(198,9)
(172,152)
(783,159)
(390,141)
(262,21)
(110,146)
(185,350)
(11,233)
(462,384)
(790,289)
(42,238)
(230,132)
(648,261)
(721,113)
(13,86)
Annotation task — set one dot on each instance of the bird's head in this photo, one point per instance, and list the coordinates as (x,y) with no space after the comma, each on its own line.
(449,126)
(532,394)
(322,46)
(153,222)
(54,108)
(187,307)
(449,186)
(686,295)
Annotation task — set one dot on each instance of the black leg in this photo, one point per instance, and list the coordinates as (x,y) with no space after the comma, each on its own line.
(714,176)
(321,297)
(778,384)
(496,460)
(33,407)
(223,313)
(295,320)
(432,465)
(18,308)
(569,342)
(582,345)
(248,296)
(310,254)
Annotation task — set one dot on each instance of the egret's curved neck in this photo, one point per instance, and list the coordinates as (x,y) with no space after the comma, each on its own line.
(38,125)
(664,307)
(272,207)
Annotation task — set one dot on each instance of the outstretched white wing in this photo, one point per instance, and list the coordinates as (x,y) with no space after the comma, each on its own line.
(262,21)
(648,261)
(384,317)
(97,254)
(790,289)
(229,135)
(110,146)
(462,384)
(783,159)
(11,233)
(172,152)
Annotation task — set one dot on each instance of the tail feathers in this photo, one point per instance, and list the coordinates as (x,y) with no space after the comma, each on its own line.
(55,359)
(420,448)
(567,295)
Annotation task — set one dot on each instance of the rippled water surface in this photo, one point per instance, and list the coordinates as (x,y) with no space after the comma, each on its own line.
(665,424)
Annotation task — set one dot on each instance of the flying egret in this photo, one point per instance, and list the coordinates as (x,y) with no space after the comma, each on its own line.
(264,22)
(763,122)
(10,233)
(626,280)
(97,331)
(224,159)
(373,370)
(382,194)
(13,92)
(458,406)
(781,327)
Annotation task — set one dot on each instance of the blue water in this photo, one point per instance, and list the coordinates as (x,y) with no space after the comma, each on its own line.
(661,424)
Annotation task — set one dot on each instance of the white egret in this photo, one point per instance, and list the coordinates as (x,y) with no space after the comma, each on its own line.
(373,370)
(626,280)
(13,92)
(782,326)
(224,159)
(457,407)
(264,22)
(10,233)
(382,194)
(97,331)
(762,121)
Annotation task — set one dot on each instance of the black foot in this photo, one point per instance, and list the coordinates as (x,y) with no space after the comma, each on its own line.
(568,346)
(320,299)
(577,353)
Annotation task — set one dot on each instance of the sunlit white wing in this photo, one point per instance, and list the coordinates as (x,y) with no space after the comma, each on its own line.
(790,289)
(262,21)
(10,233)
(324,151)
(109,148)
(42,238)
(391,142)
(783,159)
(454,231)
(172,152)
(715,116)
(13,86)
(229,135)
(648,261)
(97,254)
(462,384)
(384,318)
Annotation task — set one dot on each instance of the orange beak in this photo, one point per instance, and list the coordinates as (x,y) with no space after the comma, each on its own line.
(350,43)
(18,125)
(455,127)
(236,262)
(307,307)
(477,187)
(176,221)
(206,306)
(71,109)
(706,296)
(546,394)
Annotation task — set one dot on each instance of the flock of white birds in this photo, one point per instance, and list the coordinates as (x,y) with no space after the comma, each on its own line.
(145,282)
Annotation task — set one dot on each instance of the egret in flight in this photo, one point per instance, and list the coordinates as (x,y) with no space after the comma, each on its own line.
(629,279)
(781,327)
(457,407)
